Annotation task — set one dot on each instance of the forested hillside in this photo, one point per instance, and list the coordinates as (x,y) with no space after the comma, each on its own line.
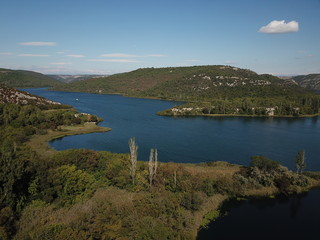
(21,78)
(210,89)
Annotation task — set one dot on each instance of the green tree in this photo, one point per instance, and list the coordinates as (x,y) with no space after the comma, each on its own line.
(14,174)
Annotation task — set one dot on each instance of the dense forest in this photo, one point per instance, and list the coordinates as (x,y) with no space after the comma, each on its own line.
(210,89)
(83,194)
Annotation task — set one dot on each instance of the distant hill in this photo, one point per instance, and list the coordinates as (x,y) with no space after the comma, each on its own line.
(209,90)
(311,81)
(188,83)
(12,95)
(73,78)
(21,78)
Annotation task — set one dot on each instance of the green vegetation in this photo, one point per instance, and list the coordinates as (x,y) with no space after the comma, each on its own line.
(209,90)
(26,79)
(84,194)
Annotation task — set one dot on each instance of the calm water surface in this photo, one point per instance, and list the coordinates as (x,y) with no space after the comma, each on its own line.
(193,139)
(297,217)
(199,139)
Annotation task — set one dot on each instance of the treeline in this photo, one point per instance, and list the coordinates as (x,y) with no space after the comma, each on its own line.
(41,117)
(280,106)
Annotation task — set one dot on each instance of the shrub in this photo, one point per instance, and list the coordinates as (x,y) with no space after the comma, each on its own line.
(264,163)
(192,201)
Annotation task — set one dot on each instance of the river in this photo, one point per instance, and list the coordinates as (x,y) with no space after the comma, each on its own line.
(294,217)
(201,139)
(189,139)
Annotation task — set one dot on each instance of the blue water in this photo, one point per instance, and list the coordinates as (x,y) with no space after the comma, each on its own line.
(295,217)
(192,139)
(199,139)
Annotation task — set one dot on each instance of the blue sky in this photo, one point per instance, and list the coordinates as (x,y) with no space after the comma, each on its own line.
(279,37)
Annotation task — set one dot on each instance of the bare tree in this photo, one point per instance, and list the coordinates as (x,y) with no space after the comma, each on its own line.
(153,164)
(133,158)
(300,161)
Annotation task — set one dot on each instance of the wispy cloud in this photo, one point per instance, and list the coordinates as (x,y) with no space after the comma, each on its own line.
(119,55)
(154,55)
(276,27)
(114,60)
(38,44)
(66,70)
(230,62)
(60,52)
(192,60)
(125,55)
(60,63)
(6,53)
(304,54)
(75,55)
(33,55)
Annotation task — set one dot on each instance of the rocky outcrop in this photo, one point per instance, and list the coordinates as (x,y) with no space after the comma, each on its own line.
(12,95)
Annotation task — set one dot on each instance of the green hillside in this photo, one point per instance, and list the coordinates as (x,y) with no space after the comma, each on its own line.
(21,78)
(210,89)
(183,83)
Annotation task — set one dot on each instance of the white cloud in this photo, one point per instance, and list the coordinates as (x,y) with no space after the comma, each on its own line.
(280,27)
(39,44)
(60,52)
(75,55)
(60,63)
(33,55)
(114,60)
(119,55)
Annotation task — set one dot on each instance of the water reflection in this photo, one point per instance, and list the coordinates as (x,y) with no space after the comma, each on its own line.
(191,139)
(293,217)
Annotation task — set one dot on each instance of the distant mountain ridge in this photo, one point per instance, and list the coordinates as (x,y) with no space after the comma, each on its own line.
(185,83)
(310,81)
(22,78)
(67,78)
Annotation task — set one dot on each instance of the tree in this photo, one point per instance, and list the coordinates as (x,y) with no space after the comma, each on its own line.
(264,163)
(133,158)
(300,161)
(153,164)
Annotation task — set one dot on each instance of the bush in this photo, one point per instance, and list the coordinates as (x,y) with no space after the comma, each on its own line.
(192,201)
(264,163)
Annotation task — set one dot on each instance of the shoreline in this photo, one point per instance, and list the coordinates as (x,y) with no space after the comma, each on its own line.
(196,115)
(210,209)
(239,115)
(40,143)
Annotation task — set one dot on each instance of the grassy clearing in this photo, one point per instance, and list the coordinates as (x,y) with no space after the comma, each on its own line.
(39,143)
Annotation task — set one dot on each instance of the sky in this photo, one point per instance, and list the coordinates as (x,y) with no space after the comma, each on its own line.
(280,37)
